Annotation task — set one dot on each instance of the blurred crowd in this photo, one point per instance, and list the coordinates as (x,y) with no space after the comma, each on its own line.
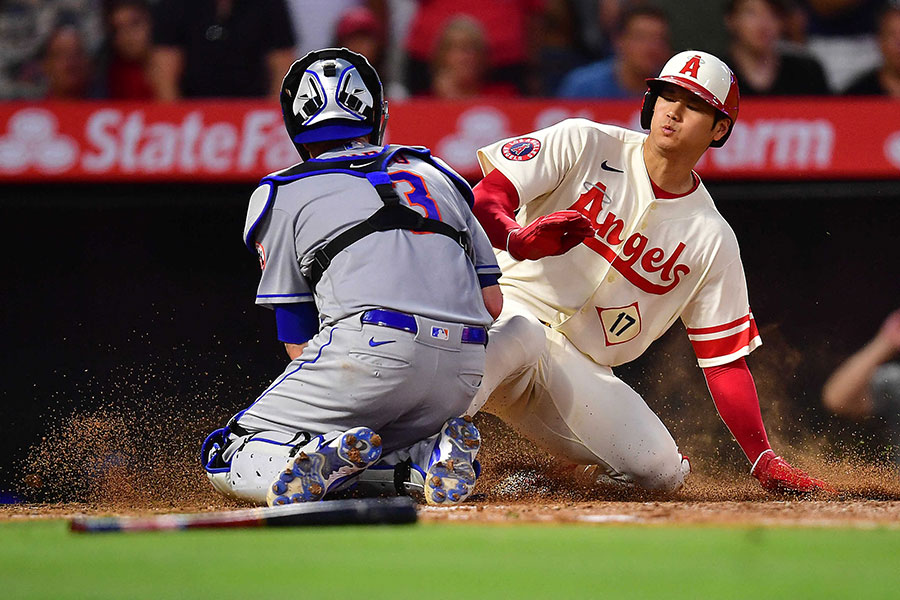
(171,49)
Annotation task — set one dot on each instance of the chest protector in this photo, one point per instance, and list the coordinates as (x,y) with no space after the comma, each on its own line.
(393,215)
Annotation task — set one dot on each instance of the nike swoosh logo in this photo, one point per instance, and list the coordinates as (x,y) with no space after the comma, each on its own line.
(353,165)
(606,167)
(373,343)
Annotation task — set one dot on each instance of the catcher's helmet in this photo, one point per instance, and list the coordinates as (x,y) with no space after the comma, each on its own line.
(332,94)
(704,75)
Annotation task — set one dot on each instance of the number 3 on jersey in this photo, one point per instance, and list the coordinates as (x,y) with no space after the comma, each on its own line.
(413,188)
(621,323)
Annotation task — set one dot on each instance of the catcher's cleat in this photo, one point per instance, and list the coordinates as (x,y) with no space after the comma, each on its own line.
(451,477)
(309,476)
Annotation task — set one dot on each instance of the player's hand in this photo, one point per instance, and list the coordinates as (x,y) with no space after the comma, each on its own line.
(550,235)
(777,476)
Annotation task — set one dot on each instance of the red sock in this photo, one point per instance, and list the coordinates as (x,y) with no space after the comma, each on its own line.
(734,394)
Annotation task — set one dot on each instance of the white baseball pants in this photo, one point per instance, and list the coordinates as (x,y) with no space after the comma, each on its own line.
(545,388)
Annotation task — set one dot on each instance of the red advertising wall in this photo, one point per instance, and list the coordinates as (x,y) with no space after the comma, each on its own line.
(215,141)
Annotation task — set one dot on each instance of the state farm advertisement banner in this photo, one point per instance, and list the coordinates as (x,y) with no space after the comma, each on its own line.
(240,141)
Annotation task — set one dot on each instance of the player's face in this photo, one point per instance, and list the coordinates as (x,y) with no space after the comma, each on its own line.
(682,121)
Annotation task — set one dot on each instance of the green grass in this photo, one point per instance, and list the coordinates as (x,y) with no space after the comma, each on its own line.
(425,561)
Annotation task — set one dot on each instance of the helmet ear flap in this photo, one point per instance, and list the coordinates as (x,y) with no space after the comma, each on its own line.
(647,108)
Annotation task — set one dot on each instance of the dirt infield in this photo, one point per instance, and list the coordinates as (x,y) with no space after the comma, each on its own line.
(855,513)
(117,461)
(127,459)
(767,513)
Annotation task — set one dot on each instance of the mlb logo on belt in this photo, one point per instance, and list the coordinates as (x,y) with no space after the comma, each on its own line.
(440,333)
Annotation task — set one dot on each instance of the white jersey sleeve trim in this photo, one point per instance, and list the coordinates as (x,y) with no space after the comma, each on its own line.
(721,344)
(702,337)
(724,360)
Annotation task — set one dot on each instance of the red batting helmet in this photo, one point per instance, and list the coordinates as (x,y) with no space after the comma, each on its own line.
(704,75)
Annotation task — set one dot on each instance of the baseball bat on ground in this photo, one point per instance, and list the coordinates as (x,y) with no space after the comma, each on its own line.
(366,511)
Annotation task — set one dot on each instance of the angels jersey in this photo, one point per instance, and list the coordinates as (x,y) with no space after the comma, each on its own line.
(651,260)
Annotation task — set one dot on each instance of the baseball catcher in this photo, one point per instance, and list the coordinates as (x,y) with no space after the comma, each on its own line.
(606,237)
(383,284)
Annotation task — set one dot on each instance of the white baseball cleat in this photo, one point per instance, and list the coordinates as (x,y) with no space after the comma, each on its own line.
(451,477)
(309,476)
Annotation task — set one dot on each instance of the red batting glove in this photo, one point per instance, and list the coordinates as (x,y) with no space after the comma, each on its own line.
(777,476)
(550,235)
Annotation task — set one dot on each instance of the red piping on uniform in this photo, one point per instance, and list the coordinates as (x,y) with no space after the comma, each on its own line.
(718,328)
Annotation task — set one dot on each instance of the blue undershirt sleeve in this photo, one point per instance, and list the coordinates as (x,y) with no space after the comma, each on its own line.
(488,279)
(296,322)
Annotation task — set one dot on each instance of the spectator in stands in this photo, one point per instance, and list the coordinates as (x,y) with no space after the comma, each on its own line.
(642,47)
(20,48)
(842,37)
(868,383)
(220,48)
(509,25)
(796,25)
(360,30)
(757,59)
(314,22)
(130,29)
(883,80)
(597,22)
(396,17)
(66,65)
(461,64)
(25,30)
(561,46)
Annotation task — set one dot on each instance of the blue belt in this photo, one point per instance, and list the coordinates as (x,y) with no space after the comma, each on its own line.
(405,322)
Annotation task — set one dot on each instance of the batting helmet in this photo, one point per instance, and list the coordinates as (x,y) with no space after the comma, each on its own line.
(702,74)
(332,94)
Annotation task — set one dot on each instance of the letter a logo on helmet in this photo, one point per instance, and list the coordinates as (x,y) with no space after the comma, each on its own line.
(702,74)
(691,67)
